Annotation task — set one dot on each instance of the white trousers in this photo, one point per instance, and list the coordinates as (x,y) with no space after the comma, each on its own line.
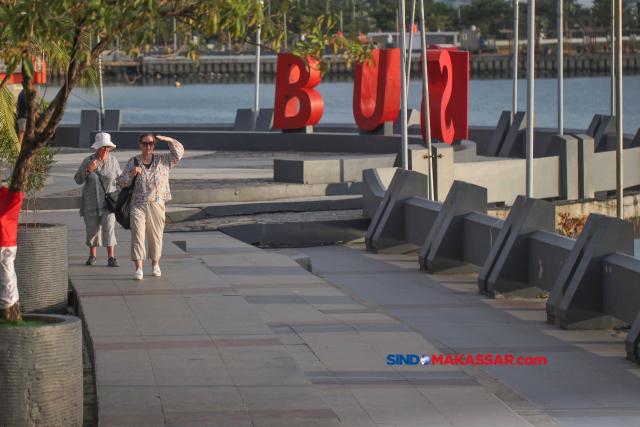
(8,278)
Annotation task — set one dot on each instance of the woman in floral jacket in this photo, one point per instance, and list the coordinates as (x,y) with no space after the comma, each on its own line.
(150,193)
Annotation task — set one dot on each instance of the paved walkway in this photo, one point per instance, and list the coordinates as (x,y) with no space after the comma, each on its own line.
(237,336)
(587,380)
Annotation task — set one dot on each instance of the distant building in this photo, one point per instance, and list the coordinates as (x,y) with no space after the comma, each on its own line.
(388,40)
(454,3)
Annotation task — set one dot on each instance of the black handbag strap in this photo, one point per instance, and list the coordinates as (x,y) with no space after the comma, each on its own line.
(100,178)
(133,181)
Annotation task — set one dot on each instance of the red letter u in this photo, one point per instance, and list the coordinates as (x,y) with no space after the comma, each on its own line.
(376,90)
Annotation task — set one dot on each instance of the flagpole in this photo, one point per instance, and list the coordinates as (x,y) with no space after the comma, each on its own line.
(425,96)
(531,31)
(403,77)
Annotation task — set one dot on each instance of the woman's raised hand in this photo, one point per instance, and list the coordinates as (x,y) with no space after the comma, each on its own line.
(135,171)
(92,165)
(164,138)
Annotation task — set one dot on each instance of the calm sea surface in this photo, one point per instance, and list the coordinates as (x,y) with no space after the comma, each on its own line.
(217,103)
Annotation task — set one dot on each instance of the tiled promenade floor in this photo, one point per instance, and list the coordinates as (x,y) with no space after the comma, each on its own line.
(587,380)
(236,336)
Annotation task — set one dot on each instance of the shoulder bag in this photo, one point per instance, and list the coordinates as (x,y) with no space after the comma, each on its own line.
(110,199)
(123,206)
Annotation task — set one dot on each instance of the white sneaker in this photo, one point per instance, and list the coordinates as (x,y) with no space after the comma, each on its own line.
(138,275)
(156,270)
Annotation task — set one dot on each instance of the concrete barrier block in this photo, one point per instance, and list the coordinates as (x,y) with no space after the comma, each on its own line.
(513,145)
(547,254)
(416,158)
(632,342)
(315,170)
(419,216)
(264,123)
(566,147)
(385,129)
(620,290)
(585,166)
(387,235)
(245,120)
(88,124)
(464,151)
(506,270)
(442,170)
(374,186)
(576,300)
(504,124)
(381,208)
(112,120)
(443,250)
(479,233)
(413,118)
(635,142)
(605,125)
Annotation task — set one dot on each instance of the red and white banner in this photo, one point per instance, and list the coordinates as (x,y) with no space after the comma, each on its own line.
(9,212)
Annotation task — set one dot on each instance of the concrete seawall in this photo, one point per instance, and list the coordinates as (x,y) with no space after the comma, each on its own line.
(245,65)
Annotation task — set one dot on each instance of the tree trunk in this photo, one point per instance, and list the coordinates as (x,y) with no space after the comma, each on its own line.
(20,175)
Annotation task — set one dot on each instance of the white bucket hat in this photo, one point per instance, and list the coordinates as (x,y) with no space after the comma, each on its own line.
(103,139)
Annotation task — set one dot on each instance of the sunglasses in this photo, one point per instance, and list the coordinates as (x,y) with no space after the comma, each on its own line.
(148,143)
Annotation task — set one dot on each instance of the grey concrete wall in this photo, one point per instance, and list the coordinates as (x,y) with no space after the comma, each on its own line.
(621,287)
(443,250)
(604,175)
(548,253)
(506,179)
(576,300)
(312,170)
(386,233)
(270,141)
(66,136)
(443,170)
(374,184)
(506,270)
(88,128)
(480,231)
(419,216)
(566,147)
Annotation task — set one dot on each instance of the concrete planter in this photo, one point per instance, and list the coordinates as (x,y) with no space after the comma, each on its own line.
(42,268)
(41,373)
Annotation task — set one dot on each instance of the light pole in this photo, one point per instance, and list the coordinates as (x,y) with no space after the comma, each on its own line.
(515,57)
(413,16)
(613,59)
(256,106)
(560,70)
(619,128)
(531,34)
(425,95)
(175,37)
(403,77)
(101,127)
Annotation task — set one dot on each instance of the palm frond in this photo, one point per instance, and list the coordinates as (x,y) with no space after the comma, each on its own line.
(8,138)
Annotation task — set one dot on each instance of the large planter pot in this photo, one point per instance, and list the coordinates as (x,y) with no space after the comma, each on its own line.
(41,373)
(42,267)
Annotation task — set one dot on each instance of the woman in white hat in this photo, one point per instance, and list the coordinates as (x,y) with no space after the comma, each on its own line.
(98,173)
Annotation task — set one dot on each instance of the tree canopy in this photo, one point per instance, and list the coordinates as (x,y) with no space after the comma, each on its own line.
(76,32)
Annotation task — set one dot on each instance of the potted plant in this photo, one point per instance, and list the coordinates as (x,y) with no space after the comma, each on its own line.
(41,262)
(41,371)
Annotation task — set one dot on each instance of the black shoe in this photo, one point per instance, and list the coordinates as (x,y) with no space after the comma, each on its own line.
(92,260)
(113,263)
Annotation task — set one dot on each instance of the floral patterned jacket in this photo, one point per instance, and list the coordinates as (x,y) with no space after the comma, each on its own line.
(152,185)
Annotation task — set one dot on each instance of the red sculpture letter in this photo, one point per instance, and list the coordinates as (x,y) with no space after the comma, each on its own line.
(376,90)
(294,83)
(448,93)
